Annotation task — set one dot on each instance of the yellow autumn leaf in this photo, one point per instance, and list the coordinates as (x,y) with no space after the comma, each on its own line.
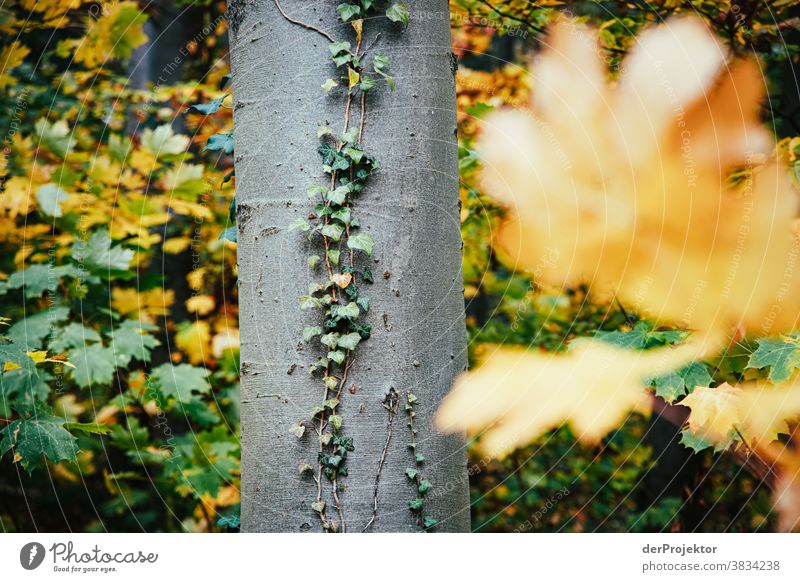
(714,411)
(201,304)
(194,340)
(624,185)
(176,245)
(146,305)
(11,56)
(16,200)
(519,394)
(114,35)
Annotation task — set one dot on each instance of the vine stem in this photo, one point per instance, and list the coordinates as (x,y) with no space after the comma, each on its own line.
(303,24)
(390,403)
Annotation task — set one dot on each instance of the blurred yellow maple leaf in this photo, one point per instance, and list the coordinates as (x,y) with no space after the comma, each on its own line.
(624,185)
(521,394)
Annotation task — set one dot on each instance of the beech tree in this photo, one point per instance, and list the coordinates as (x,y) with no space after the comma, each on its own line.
(350,285)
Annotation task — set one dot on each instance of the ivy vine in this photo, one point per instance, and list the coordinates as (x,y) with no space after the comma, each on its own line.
(337,295)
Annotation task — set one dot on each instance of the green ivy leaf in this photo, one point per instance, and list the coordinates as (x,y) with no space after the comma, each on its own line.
(424,486)
(220,142)
(332,231)
(430,522)
(397,12)
(349,341)
(416,505)
(411,473)
(208,108)
(230,234)
(348,11)
(311,332)
(361,242)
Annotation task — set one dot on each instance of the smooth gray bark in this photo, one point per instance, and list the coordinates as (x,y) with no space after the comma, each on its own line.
(411,209)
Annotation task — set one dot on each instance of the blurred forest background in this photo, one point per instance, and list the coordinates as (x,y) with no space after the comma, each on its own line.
(119,390)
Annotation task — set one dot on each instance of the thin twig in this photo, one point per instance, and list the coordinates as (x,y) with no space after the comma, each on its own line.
(390,403)
(303,24)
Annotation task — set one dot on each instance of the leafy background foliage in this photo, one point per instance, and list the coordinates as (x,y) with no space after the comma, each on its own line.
(119,389)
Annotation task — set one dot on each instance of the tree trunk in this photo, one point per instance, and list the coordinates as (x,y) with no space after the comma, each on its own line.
(410,207)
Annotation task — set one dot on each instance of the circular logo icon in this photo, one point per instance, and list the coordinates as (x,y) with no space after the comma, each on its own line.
(31,555)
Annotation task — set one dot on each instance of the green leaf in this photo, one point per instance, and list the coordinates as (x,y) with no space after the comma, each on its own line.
(99,255)
(41,435)
(230,234)
(318,506)
(348,11)
(327,86)
(88,427)
(430,522)
(416,505)
(220,142)
(297,429)
(696,442)
(337,356)
(411,473)
(208,108)
(349,311)
(181,381)
(311,332)
(641,337)
(299,224)
(73,335)
(338,47)
(781,355)
(333,256)
(332,231)
(349,341)
(94,365)
(337,196)
(419,458)
(678,383)
(37,279)
(48,196)
(397,12)
(309,302)
(130,342)
(330,340)
(31,331)
(424,486)
(361,242)
(336,421)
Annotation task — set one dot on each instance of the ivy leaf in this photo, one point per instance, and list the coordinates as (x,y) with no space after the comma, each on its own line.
(348,11)
(781,355)
(220,142)
(411,473)
(337,356)
(229,234)
(349,311)
(208,108)
(41,435)
(678,383)
(181,381)
(336,421)
(430,522)
(229,521)
(397,12)
(332,231)
(297,429)
(299,224)
(361,242)
(424,486)
(49,196)
(94,365)
(327,86)
(416,505)
(349,341)
(311,332)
